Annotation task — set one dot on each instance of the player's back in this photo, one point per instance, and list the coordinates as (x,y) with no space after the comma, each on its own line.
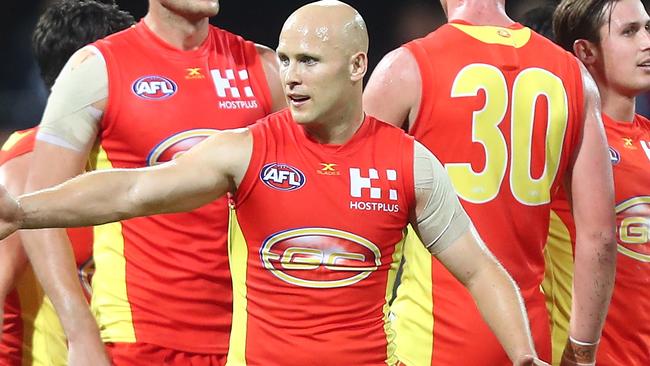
(503,116)
(501,109)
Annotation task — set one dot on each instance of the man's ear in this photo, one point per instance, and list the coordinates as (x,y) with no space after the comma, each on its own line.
(358,66)
(585,51)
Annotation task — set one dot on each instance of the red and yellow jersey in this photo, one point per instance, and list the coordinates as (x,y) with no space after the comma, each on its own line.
(32,333)
(164,279)
(504,122)
(316,241)
(628,319)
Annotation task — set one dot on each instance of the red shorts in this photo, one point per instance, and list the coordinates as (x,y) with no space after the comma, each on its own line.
(145,354)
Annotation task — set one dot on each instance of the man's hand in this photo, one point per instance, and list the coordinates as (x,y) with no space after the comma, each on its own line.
(529,360)
(10,213)
(579,353)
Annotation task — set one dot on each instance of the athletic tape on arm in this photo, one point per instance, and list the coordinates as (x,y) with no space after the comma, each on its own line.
(70,120)
(442,220)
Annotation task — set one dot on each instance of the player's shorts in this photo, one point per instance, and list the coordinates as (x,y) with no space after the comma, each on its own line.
(145,354)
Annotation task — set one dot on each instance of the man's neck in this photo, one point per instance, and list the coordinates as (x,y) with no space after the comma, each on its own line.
(336,131)
(479,12)
(617,106)
(175,29)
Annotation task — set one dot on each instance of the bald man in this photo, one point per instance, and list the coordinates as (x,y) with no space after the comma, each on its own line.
(320,208)
(510,127)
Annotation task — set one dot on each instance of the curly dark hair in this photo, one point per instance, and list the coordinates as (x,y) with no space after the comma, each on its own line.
(68,25)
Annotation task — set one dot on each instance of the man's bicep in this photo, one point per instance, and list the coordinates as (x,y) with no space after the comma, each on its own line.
(73,112)
(393,91)
(465,256)
(592,192)
(439,217)
(52,164)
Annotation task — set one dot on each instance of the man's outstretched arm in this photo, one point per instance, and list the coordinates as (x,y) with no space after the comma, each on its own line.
(204,173)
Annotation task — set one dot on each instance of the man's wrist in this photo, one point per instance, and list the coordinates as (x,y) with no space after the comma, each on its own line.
(580,353)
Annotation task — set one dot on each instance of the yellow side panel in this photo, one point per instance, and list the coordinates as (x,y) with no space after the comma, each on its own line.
(13,139)
(110,302)
(44,342)
(413,307)
(238,257)
(557,284)
(391,358)
(49,345)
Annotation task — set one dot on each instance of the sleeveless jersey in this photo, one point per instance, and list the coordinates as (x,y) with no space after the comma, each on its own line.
(32,333)
(504,122)
(627,319)
(164,279)
(316,241)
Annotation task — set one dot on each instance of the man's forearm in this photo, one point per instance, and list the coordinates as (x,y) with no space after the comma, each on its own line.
(53,261)
(593,282)
(91,199)
(500,304)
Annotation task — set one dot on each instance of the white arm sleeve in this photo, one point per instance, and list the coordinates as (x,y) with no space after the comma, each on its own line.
(441,219)
(70,120)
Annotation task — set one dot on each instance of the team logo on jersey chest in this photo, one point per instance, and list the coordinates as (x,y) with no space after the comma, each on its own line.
(319,257)
(177,144)
(154,87)
(633,228)
(282,177)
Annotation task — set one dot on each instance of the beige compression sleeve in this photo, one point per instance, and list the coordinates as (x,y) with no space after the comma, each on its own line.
(70,119)
(442,219)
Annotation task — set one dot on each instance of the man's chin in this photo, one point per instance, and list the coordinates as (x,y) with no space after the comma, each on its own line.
(300,117)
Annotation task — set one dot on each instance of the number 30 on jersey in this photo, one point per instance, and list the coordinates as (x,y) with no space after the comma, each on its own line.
(529,85)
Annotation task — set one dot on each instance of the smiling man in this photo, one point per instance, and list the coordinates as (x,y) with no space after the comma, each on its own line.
(612,39)
(314,256)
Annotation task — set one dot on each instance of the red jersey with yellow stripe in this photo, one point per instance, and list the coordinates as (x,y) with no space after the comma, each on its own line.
(628,318)
(32,333)
(316,240)
(164,279)
(504,121)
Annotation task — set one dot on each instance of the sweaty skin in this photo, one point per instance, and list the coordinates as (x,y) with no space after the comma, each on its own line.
(57,158)
(397,79)
(322,79)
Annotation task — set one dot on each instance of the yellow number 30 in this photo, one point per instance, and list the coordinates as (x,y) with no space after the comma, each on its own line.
(530,84)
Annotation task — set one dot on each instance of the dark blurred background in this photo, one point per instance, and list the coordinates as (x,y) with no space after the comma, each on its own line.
(390,23)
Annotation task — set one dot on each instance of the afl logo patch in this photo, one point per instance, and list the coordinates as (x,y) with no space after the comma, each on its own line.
(154,87)
(282,177)
(319,257)
(614,156)
(175,145)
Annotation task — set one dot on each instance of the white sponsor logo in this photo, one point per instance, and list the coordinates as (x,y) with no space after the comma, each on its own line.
(361,186)
(226,84)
